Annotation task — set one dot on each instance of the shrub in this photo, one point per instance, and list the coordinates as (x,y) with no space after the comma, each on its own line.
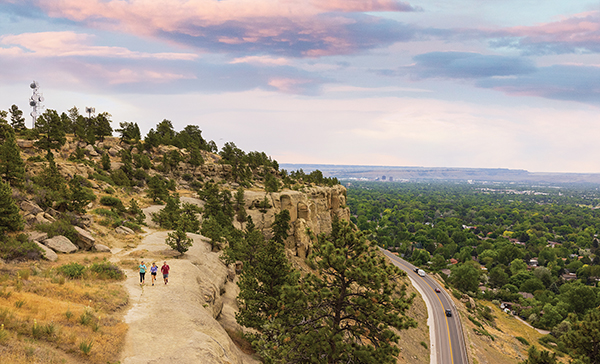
(522,340)
(19,248)
(109,190)
(113,202)
(86,347)
(120,178)
(107,270)
(72,270)
(103,178)
(62,227)
(36,158)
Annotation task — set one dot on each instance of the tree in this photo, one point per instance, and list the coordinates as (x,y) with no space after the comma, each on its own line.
(498,277)
(130,132)
(80,195)
(157,189)
(212,230)
(262,281)
(271,183)
(178,239)
(584,338)
(12,168)
(536,357)
(52,131)
(102,126)
(343,314)
(17,121)
(10,220)
(195,158)
(165,132)
(465,277)
(239,206)
(281,226)
(517,266)
(105,161)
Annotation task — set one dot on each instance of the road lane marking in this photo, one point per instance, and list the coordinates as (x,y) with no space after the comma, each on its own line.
(438,297)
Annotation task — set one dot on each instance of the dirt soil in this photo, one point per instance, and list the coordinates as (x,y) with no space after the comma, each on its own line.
(169,323)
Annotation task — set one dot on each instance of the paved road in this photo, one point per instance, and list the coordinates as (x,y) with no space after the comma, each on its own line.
(448,346)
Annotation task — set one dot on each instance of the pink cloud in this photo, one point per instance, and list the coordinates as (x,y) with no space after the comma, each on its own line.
(312,25)
(579,27)
(362,5)
(264,60)
(65,44)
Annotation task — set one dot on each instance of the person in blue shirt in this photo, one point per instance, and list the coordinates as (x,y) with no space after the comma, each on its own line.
(142,273)
(153,271)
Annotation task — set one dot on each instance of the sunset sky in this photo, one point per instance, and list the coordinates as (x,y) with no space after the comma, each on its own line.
(433,83)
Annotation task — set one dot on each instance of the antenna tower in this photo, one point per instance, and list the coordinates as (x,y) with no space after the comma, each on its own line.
(35,101)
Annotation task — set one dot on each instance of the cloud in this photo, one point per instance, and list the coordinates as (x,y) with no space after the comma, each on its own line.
(71,44)
(264,60)
(576,34)
(559,82)
(466,65)
(296,28)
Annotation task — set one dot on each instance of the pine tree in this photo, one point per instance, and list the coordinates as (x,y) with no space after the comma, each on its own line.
(178,239)
(105,161)
(12,168)
(584,338)
(52,131)
(10,220)
(240,210)
(537,357)
(212,230)
(345,312)
(17,121)
(80,195)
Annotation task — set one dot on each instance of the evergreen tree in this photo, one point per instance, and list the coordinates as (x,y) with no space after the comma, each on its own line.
(195,158)
(271,183)
(137,213)
(80,194)
(10,219)
(105,161)
(74,116)
(102,126)
(261,285)
(212,230)
(178,239)
(537,357)
(157,189)
(239,207)
(12,168)
(17,121)
(52,131)
(130,133)
(584,338)
(345,312)
(281,226)
(169,216)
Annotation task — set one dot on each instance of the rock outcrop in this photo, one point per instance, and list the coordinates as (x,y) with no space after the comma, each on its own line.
(85,240)
(313,208)
(49,254)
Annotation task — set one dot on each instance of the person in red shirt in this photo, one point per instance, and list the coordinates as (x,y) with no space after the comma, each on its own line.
(165,271)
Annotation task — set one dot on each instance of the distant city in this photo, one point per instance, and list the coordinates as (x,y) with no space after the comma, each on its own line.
(414,174)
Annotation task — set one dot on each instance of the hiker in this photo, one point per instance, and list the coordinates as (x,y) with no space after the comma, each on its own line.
(165,271)
(153,271)
(142,273)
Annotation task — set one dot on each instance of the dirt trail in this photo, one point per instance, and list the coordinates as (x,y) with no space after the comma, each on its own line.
(172,323)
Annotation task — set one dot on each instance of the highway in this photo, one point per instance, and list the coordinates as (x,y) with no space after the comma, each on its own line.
(447,344)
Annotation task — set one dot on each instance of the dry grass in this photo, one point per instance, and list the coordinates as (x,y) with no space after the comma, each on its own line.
(412,351)
(40,314)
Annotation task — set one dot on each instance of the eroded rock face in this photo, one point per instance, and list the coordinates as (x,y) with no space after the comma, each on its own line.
(314,208)
(31,207)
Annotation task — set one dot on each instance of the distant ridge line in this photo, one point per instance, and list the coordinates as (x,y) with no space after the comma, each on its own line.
(404,173)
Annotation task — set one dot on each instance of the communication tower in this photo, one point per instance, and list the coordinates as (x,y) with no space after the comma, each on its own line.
(35,101)
(90,111)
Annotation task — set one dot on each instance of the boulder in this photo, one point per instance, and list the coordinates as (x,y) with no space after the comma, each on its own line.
(101,248)
(41,219)
(49,254)
(87,220)
(30,219)
(25,144)
(31,207)
(49,217)
(60,244)
(53,212)
(37,236)
(124,230)
(91,151)
(85,239)
(114,151)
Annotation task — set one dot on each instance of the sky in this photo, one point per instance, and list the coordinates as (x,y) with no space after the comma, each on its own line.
(463,83)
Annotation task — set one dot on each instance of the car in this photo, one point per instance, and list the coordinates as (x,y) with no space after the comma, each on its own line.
(449,313)
(438,290)
(416,270)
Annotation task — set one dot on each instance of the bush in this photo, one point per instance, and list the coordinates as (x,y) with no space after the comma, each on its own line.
(62,227)
(120,178)
(522,340)
(19,248)
(103,178)
(107,270)
(72,270)
(109,190)
(113,202)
